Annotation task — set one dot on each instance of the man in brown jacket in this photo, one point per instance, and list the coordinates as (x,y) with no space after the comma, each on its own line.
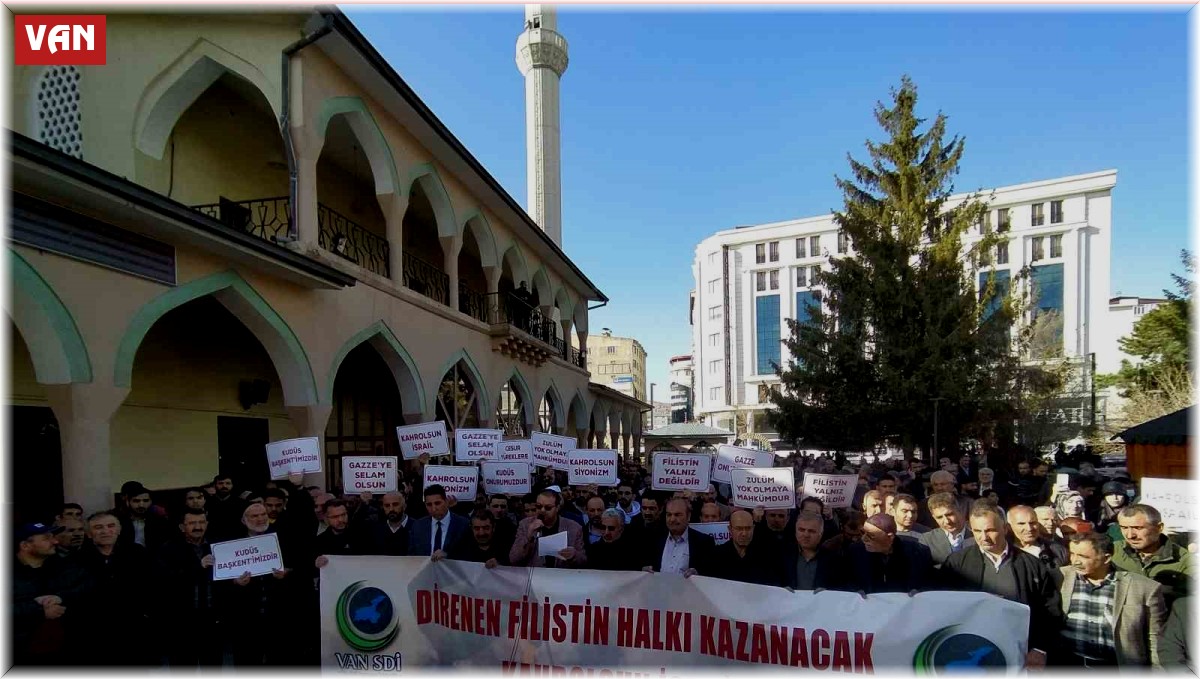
(1113,617)
(524,550)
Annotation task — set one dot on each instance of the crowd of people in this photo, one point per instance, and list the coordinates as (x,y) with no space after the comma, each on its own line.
(132,585)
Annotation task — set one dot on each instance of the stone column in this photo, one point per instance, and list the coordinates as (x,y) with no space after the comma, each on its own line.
(450,248)
(394,206)
(84,413)
(308,227)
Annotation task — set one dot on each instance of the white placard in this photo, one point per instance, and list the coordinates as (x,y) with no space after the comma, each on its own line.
(681,471)
(460,483)
(421,439)
(551,545)
(1062,482)
(476,444)
(374,474)
(834,490)
(589,466)
(258,555)
(520,450)
(729,457)
(770,488)
(719,530)
(550,450)
(1176,499)
(506,478)
(294,456)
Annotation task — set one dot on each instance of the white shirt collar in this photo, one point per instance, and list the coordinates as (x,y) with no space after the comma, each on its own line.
(996,561)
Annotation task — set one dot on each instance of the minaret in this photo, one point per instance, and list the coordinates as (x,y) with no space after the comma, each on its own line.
(542,58)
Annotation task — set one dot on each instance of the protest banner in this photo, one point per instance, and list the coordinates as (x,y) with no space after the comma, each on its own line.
(294,456)
(681,471)
(718,530)
(258,555)
(552,451)
(506,478)
(515,451)
(834,490)
(588,466)
(460,483)
(1176,500)
(729,457)
(369,474)
(476,444)
(770,488)
(384,613)
(427,438)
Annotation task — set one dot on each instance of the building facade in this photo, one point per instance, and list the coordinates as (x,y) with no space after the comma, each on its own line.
(618,363)
(681,389)
(210,250)
(1123,314)
(749,280)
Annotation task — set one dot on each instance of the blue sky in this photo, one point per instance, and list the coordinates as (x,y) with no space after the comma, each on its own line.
(680,123)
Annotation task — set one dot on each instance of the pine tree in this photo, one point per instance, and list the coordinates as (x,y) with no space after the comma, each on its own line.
(902,321)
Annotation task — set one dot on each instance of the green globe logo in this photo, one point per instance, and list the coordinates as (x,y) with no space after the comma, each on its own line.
(950,651)
(366,618)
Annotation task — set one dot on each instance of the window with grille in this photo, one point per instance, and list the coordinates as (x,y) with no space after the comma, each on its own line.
(843,243)
(985,223)
(714,339)
(760,281)
(714,312)
(547,416)
(1002,219)
(1039,216)
(773,250)
(1055,247)
(712,285)
(760,253)
(812,274)
(1002,253)
(774,276)
(510,412)
(814,246)
(59,118)
(612,350)
(802,277)
(800,249)
(714,367)
(1039,251)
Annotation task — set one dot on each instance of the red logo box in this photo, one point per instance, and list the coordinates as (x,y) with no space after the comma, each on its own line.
(59,40)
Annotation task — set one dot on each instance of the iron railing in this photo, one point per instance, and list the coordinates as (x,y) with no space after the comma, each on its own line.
(266,218)
(422,277)
(472,303)
(344,238)
(576,357)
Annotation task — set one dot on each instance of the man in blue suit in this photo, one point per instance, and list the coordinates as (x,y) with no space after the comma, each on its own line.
(439,530)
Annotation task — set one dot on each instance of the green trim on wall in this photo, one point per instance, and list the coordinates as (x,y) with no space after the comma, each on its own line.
(338,105)
(74,350)
(491,237)
(148,315)
(447,223)
(377,328)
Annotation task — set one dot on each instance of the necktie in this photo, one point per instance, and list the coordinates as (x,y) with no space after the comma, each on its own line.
(437,537)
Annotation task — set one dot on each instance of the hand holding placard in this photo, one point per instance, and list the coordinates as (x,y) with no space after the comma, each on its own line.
(292,456)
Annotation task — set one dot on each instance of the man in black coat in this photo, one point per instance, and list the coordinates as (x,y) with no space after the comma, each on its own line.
(49,595)
(185,595)
(481,545)
(139,524)
(806,565)
(616,550)
(679,549)
(119,600)
(997,567)
(389,533)
(886,562)
(744,560)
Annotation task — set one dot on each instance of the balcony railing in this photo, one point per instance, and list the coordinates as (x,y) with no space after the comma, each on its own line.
(266,218)
(472,303)
(423,277)
(344,238)
(576,357)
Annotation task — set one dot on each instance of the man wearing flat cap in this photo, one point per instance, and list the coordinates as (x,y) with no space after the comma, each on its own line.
(885,562)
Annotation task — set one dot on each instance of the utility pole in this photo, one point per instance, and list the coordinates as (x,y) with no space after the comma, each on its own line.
(936,451)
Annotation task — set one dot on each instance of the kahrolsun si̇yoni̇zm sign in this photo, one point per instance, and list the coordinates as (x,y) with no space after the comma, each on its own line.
(381,613)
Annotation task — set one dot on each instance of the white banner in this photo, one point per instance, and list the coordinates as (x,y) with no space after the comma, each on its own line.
(387,613)
(475,444)
(515,451)
(681,471)
(729,457)
(421,439)
(551,450)
(374,474)
(1176,499)
(719,530)
(258,555)
(506,478)
(294,456)
(771,488)
(460,483)
(834,490)
(588,466)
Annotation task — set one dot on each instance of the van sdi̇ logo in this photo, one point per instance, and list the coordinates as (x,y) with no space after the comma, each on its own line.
(949,651)
(60,40)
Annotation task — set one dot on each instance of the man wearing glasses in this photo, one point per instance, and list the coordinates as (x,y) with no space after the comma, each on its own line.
(524,551)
